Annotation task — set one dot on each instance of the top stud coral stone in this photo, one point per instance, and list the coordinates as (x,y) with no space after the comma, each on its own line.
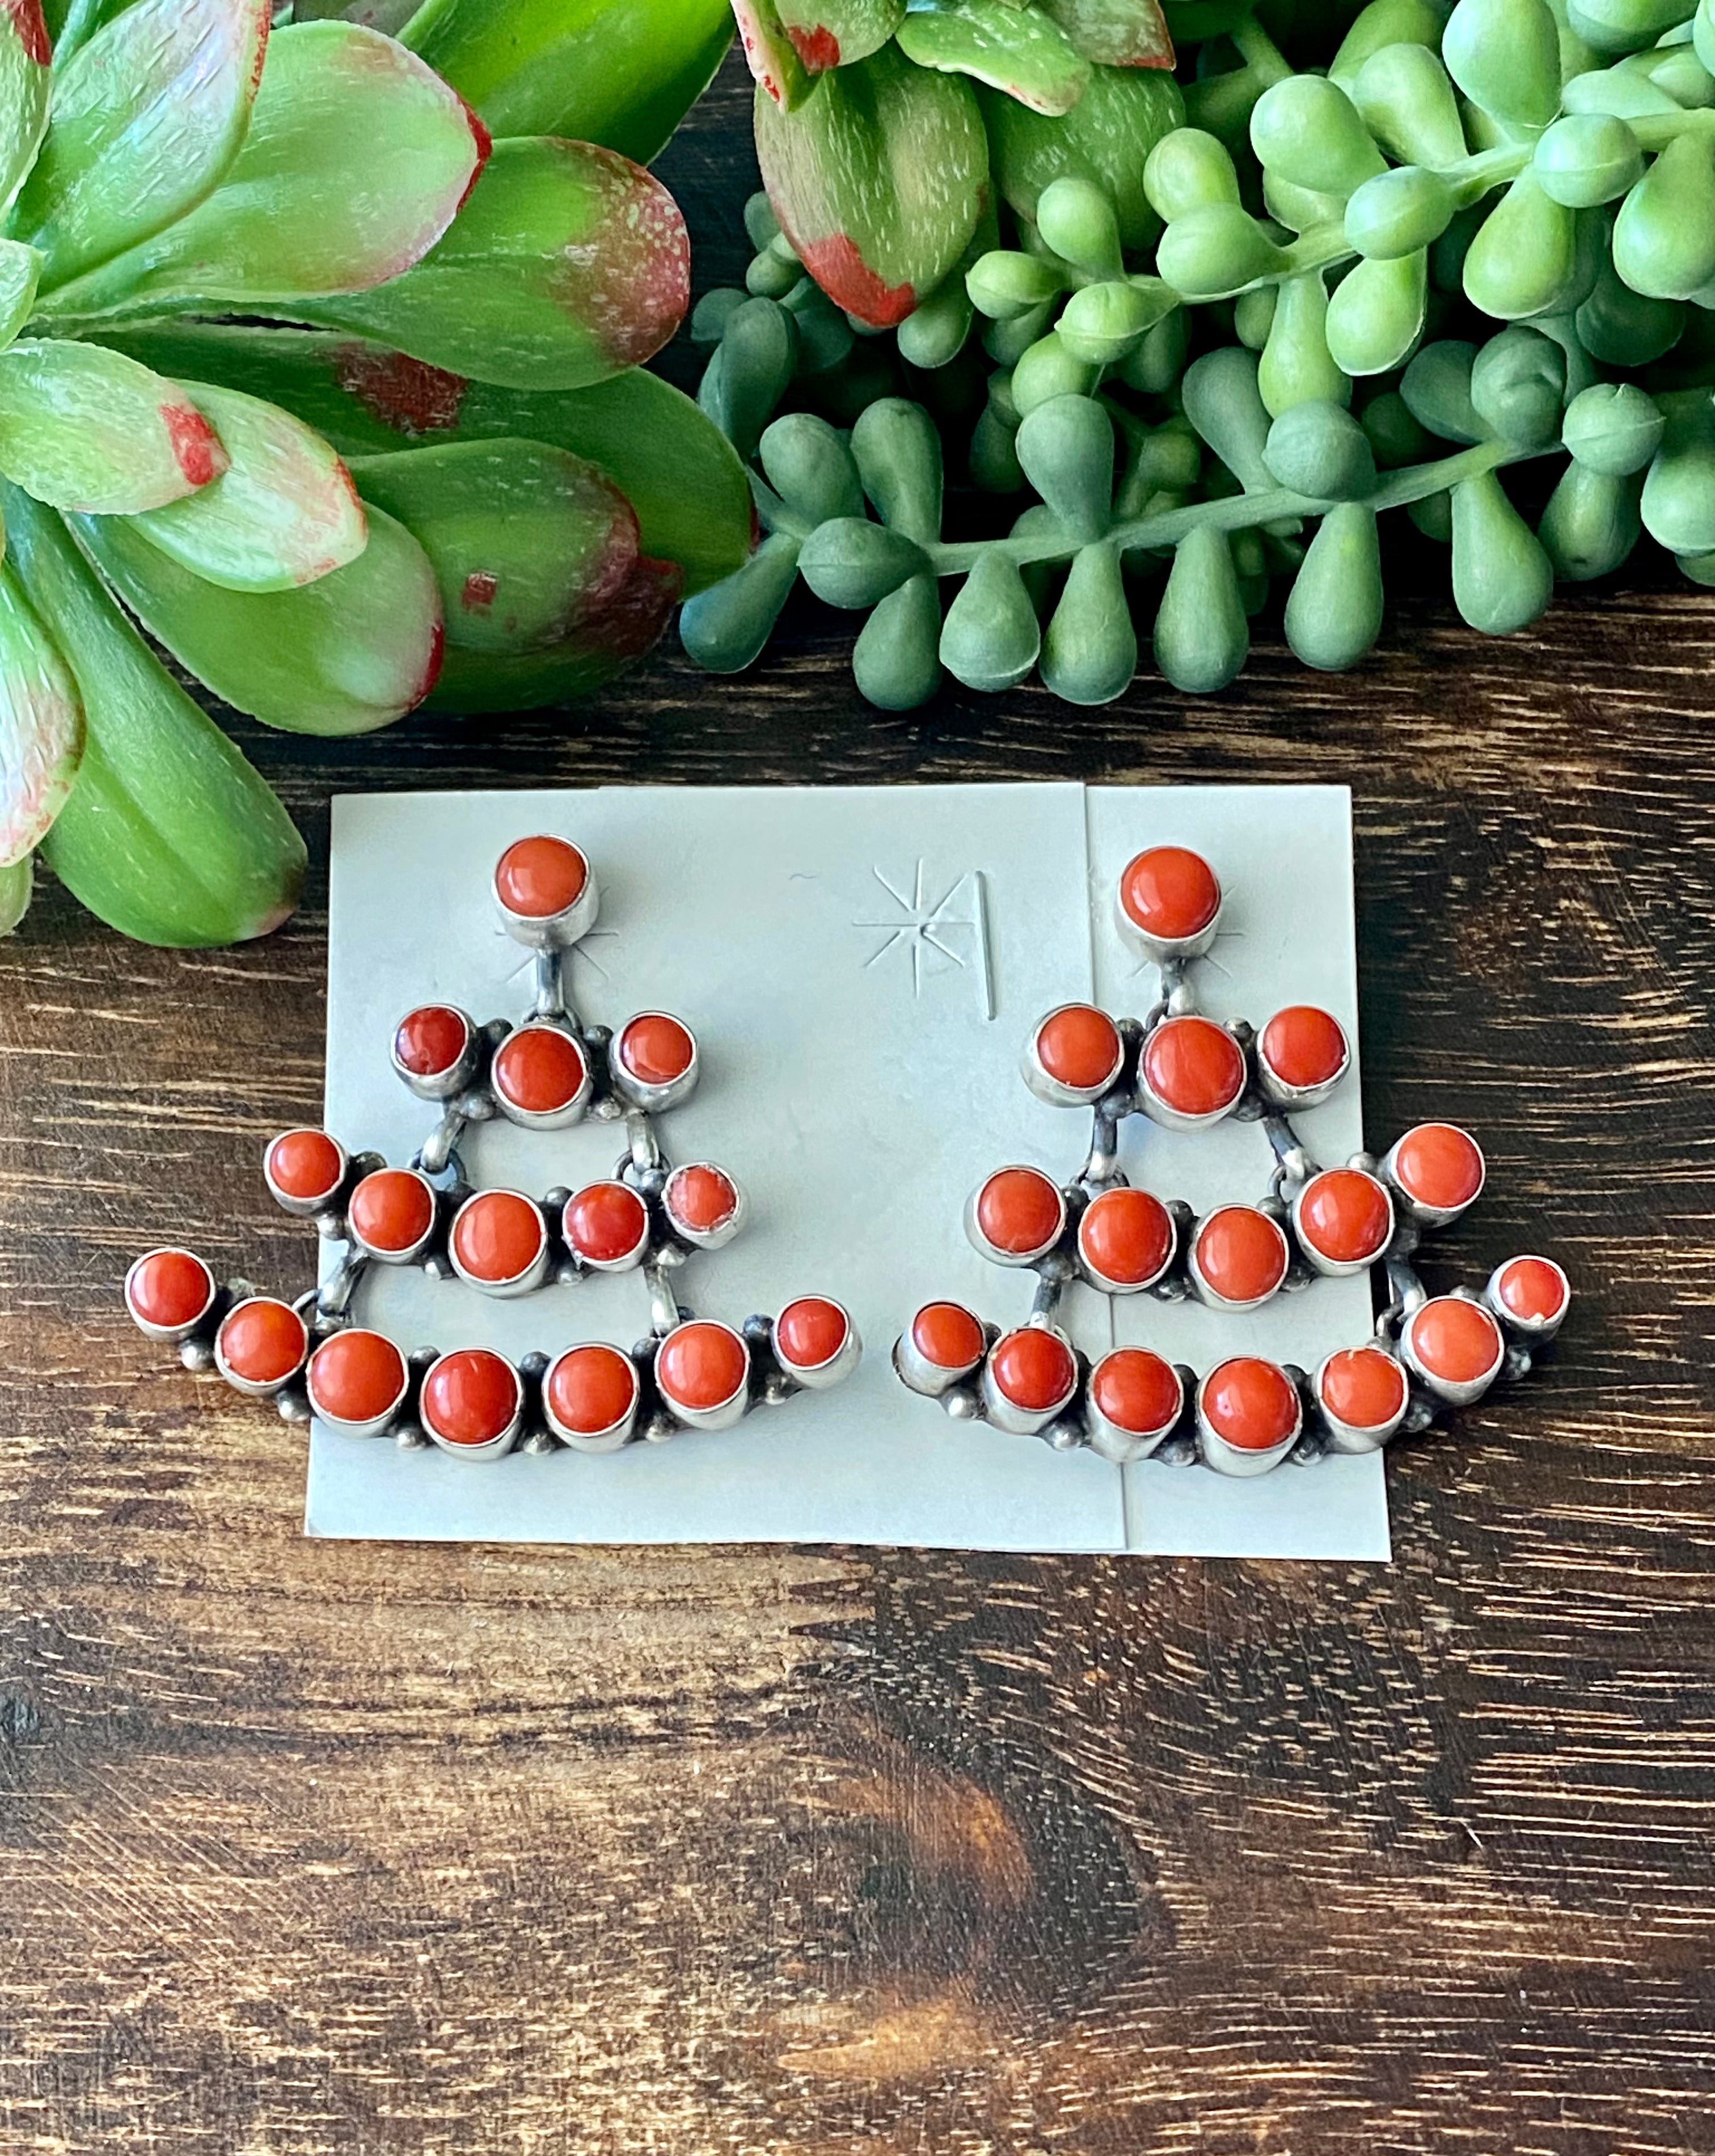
(355,1376)
(434,1050)
(1126,1238)
(1344,1219)
(1363,1387)
(1534,1292)
(471,1396)
(392,1211)
(1169,902)
(1018,1214)
(702,1366)
(1303,1052)
(540,877)
(1034,1370)
(655,1049)
(1193,1069)
(1250,1404)
(811,1332)
(1078,1051)
(948,1335)
(1438,1168)
(261,1343)
(169,1291)
(304,1167)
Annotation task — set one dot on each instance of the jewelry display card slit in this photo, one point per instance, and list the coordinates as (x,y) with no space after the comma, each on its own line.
(860,967)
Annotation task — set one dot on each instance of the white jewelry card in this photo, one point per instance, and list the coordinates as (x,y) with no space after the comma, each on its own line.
(860,966)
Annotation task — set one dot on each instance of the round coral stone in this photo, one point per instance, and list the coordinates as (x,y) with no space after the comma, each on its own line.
(498,1236)
(702,1198)
(392,1209)
(1033,1369)
(1533,1289)
(537,878)
(170,1289)
(1080,1047)
(589,1390)
(1250,1403)
(1304,1046)
(654,1049)
(1363,1387)
(1020,1211)
(356,1376)
(946,1335)
(539,1069)
(810,1331)
(1137,1391)
(1170,893)
(1242,1253)
(1126,1236)
(1439,1165)
(605,1222)
(263,1341)
(305,1165)
(701,1365)
(1454,1340)
(1346,1216)
(471,1396)
(1194,1066)
(430,1040)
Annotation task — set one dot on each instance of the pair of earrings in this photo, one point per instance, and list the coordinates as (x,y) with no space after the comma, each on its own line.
(1174,1066)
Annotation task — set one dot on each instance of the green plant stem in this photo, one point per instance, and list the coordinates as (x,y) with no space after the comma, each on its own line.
(1237,512)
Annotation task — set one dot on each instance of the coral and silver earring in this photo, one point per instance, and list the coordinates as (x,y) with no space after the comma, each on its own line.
(649,1216)
(1185,1071)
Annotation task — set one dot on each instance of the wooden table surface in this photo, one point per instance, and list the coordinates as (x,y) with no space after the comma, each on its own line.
(308,1848)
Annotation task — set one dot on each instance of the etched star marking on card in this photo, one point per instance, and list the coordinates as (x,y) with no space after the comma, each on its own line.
(579,951)
(916,926)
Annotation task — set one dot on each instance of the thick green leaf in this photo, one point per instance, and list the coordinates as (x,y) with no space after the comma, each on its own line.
(1114,32)
(528,542)
(86,428)
(25,83)
(354,650)
(357,160)
(878,180)
(20,267)
(1016,50)
(568,264)
(671,462)
(41,726)
(624,629)
(1106,138)
(283,514)
(623,73)
(17,888)
(169,835)
(146,117)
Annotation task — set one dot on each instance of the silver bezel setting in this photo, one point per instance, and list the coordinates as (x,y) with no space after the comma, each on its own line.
(554,932)
(616,1435)
(726,1413)
(1054,1091)
(818,1377)
(534,1274)
(543,1119)
(373,1425)
(1319,1261)
(1112,1440)
(440,1085)
(408,1256)
(1354,1437)
(491,1448)
(1458,1392)
(1429,1216)
(1211,1297)
(1006,1414)
(1239,1460)
(172,1334)
(1526,1328)
(254,1388)
(671,1092)
(992,1252)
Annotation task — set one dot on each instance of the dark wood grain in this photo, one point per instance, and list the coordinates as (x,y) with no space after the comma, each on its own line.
(308,1848)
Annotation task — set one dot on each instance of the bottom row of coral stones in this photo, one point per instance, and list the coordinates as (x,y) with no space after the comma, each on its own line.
(474,1400)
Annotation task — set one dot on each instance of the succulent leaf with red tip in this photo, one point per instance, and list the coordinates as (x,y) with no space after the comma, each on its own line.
(878,180)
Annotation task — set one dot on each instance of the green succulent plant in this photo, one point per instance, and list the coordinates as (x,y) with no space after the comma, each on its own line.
(1220,343)
(317,367)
